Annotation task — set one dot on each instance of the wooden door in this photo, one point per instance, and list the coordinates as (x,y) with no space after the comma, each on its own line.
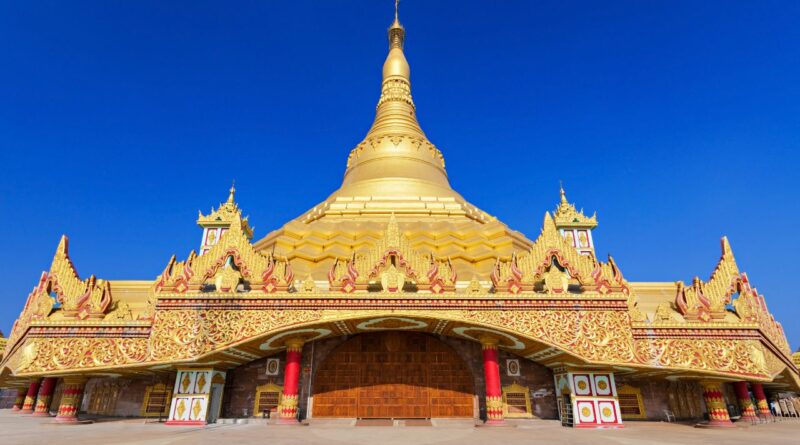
(393,375)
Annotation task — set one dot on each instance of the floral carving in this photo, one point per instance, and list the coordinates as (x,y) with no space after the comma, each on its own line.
(523,272)
(181,334)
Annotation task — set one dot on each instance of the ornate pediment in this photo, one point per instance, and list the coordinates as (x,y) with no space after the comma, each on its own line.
(711,300)
(60,290)
(751,307)
(528,271)
(87,298)
(232,259)
(706,300)
(391,266)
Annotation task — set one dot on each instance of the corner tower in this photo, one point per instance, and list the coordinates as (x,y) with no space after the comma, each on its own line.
(218,221)
(574,226)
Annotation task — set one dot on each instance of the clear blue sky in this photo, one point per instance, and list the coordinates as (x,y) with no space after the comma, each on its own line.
(679,122)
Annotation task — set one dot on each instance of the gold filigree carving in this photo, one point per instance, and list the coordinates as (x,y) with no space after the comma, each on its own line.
(181,334)
(226,213)
(663,312)
(523,272)
(566,215)
(57,354)
(263,272)
(720,355)
(391,258)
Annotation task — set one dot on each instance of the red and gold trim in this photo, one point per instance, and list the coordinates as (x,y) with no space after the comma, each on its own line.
(71,399)
(761,400)
(715,403)
(745,403)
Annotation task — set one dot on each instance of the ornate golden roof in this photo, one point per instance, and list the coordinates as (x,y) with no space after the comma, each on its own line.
(566,215)
(225,214)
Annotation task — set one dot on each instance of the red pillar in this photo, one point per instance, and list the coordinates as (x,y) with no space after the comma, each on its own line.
(491,374)
(745,402)
(761,400)
(45,396)
(71,399)
(30,398)
(715,403)
(291,382)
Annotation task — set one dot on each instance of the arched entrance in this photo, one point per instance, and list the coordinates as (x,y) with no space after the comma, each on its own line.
(393,375)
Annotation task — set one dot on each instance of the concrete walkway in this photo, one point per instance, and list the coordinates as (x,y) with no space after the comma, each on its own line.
(18,429)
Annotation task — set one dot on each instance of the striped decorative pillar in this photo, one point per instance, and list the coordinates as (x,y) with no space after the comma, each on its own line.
(30,397)
(71,399)
(761,400)
(291,382)
(715,403)
(45,397)
(491,373)
(745,402)
(20,399)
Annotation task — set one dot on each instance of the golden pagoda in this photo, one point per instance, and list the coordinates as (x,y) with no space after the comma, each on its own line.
(395,297)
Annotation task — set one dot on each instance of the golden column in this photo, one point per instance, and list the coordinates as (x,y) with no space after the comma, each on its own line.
(291,381)
(715,404)
(71,399)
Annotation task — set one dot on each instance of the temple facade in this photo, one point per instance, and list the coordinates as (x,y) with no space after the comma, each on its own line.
(395,298)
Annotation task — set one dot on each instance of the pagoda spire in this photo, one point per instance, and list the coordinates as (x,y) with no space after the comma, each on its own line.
(396,111)
(563,194)
(395,146)
(232,193)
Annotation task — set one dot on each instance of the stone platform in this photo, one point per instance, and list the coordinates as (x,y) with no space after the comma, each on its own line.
(17,429)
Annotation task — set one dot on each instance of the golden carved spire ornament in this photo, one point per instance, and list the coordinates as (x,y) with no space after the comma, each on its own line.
(524,272)
(396,148)
(567,215)
(391,260)
(705,301)
(259,270)
(225,214)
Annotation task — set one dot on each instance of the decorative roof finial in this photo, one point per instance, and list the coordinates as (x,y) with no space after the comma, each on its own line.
(232,192)
(563,193)
(397,33)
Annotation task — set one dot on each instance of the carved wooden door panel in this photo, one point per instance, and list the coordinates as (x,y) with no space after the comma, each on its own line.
(393,375)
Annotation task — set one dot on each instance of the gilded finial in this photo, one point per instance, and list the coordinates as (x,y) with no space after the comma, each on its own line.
(563,193)
(232,192)
(396,31)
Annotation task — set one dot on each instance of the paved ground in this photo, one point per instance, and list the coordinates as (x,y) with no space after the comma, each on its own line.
(16,429)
